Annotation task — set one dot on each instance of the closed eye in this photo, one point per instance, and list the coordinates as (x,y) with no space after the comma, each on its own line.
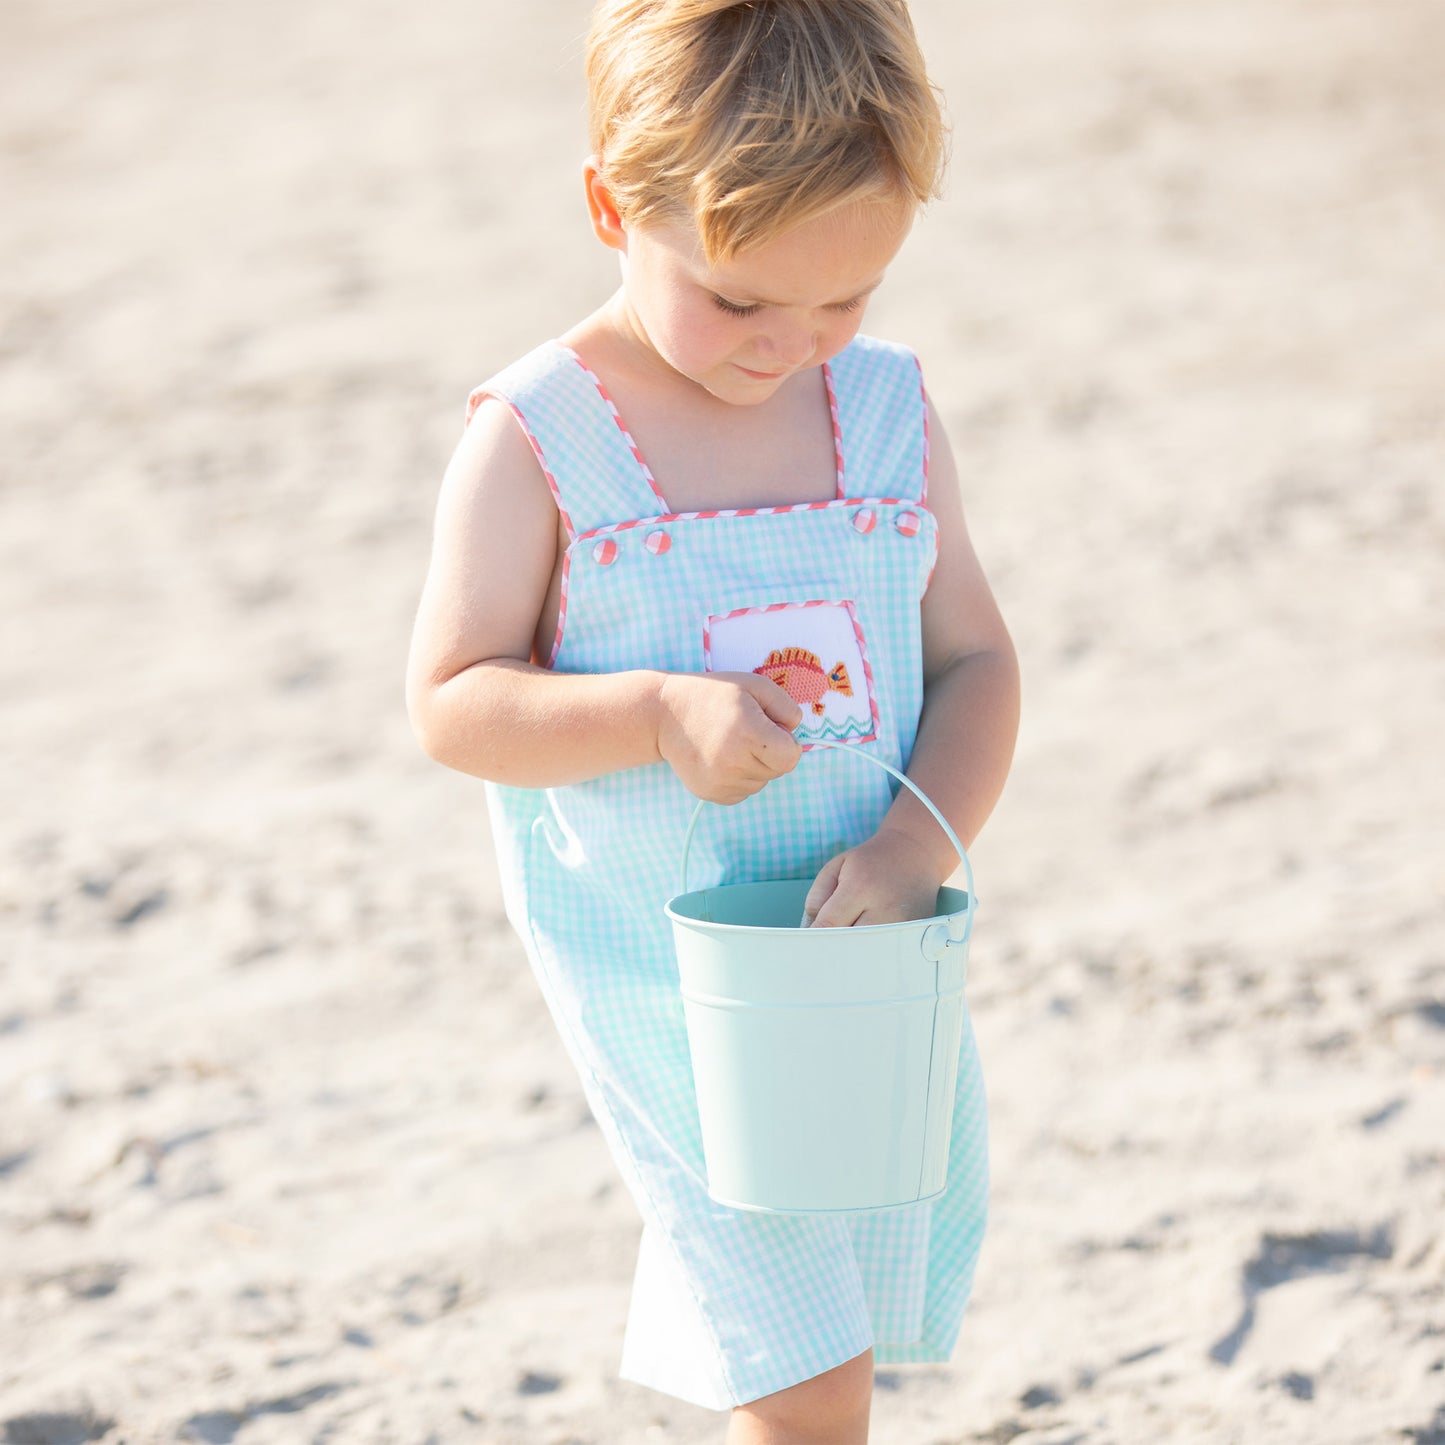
(737,308)
(733,308)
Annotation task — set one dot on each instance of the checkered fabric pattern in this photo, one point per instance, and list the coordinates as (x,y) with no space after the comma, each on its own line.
(728,1305)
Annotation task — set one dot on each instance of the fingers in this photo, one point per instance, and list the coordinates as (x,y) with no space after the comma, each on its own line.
(734,784)
(774,701)
(858,888)
(733,792)
(822,891)
(774,748)
(838,912)
(727,735)
(777,749)
(776,755)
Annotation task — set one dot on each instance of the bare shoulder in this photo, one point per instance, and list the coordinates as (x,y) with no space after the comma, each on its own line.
(494,552)
(493,465)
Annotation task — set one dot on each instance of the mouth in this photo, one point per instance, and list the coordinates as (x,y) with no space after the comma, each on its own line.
(762,375)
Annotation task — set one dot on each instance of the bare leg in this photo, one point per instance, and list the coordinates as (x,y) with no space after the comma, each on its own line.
(830,1409)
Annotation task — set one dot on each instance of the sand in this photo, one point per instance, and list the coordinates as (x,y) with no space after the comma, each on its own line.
(288,1149)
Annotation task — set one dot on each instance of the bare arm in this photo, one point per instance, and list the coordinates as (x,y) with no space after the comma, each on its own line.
(478,701)
(965,734)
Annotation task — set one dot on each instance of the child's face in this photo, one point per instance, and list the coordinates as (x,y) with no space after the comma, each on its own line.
(740,329)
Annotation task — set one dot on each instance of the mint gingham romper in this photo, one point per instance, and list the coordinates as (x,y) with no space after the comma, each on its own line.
(730,1305)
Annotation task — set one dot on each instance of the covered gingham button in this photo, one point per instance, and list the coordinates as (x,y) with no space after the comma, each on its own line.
(658,542)
(908,523)
(605,552)
(865,519)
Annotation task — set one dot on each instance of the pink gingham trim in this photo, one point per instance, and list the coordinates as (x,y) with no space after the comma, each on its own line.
(622,427)
(476,399)
(837,428)
(923,392)
(747,512)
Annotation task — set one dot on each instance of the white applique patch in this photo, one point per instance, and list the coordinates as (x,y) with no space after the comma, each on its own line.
(815,652)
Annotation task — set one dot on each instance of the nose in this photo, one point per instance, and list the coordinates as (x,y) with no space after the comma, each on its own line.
(792,342)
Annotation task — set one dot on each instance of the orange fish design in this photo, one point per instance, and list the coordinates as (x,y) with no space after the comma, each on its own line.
(800,674)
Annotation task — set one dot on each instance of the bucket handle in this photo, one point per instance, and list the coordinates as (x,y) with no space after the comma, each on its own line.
(907,783)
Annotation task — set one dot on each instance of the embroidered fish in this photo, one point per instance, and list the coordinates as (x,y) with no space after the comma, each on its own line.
(800,674)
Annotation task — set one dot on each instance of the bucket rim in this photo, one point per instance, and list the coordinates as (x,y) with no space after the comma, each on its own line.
(970,906)
(832,1209)
(967,913)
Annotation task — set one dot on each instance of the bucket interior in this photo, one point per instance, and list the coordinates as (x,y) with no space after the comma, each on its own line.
(747,905)
(775,905)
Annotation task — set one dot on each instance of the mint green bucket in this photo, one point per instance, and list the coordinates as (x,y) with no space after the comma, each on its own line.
(825,1059)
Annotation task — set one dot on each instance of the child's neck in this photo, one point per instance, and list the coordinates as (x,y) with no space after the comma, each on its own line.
(706,453)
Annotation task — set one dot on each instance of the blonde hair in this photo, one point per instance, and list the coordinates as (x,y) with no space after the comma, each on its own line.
(752,116)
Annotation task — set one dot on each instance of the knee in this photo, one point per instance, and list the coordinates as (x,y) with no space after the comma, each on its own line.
(830,1407)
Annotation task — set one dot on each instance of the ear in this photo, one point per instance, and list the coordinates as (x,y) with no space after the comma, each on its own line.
(601,208)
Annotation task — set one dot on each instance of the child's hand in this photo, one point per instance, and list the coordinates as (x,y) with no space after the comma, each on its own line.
(889,879)
(727,734)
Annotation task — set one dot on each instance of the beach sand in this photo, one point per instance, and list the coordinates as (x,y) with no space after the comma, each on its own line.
(288,1148)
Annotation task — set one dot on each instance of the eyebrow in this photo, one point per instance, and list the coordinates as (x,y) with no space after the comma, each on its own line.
(738,296)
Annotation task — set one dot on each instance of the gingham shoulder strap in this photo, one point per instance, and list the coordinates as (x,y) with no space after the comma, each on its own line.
(882,420)
(596,473)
